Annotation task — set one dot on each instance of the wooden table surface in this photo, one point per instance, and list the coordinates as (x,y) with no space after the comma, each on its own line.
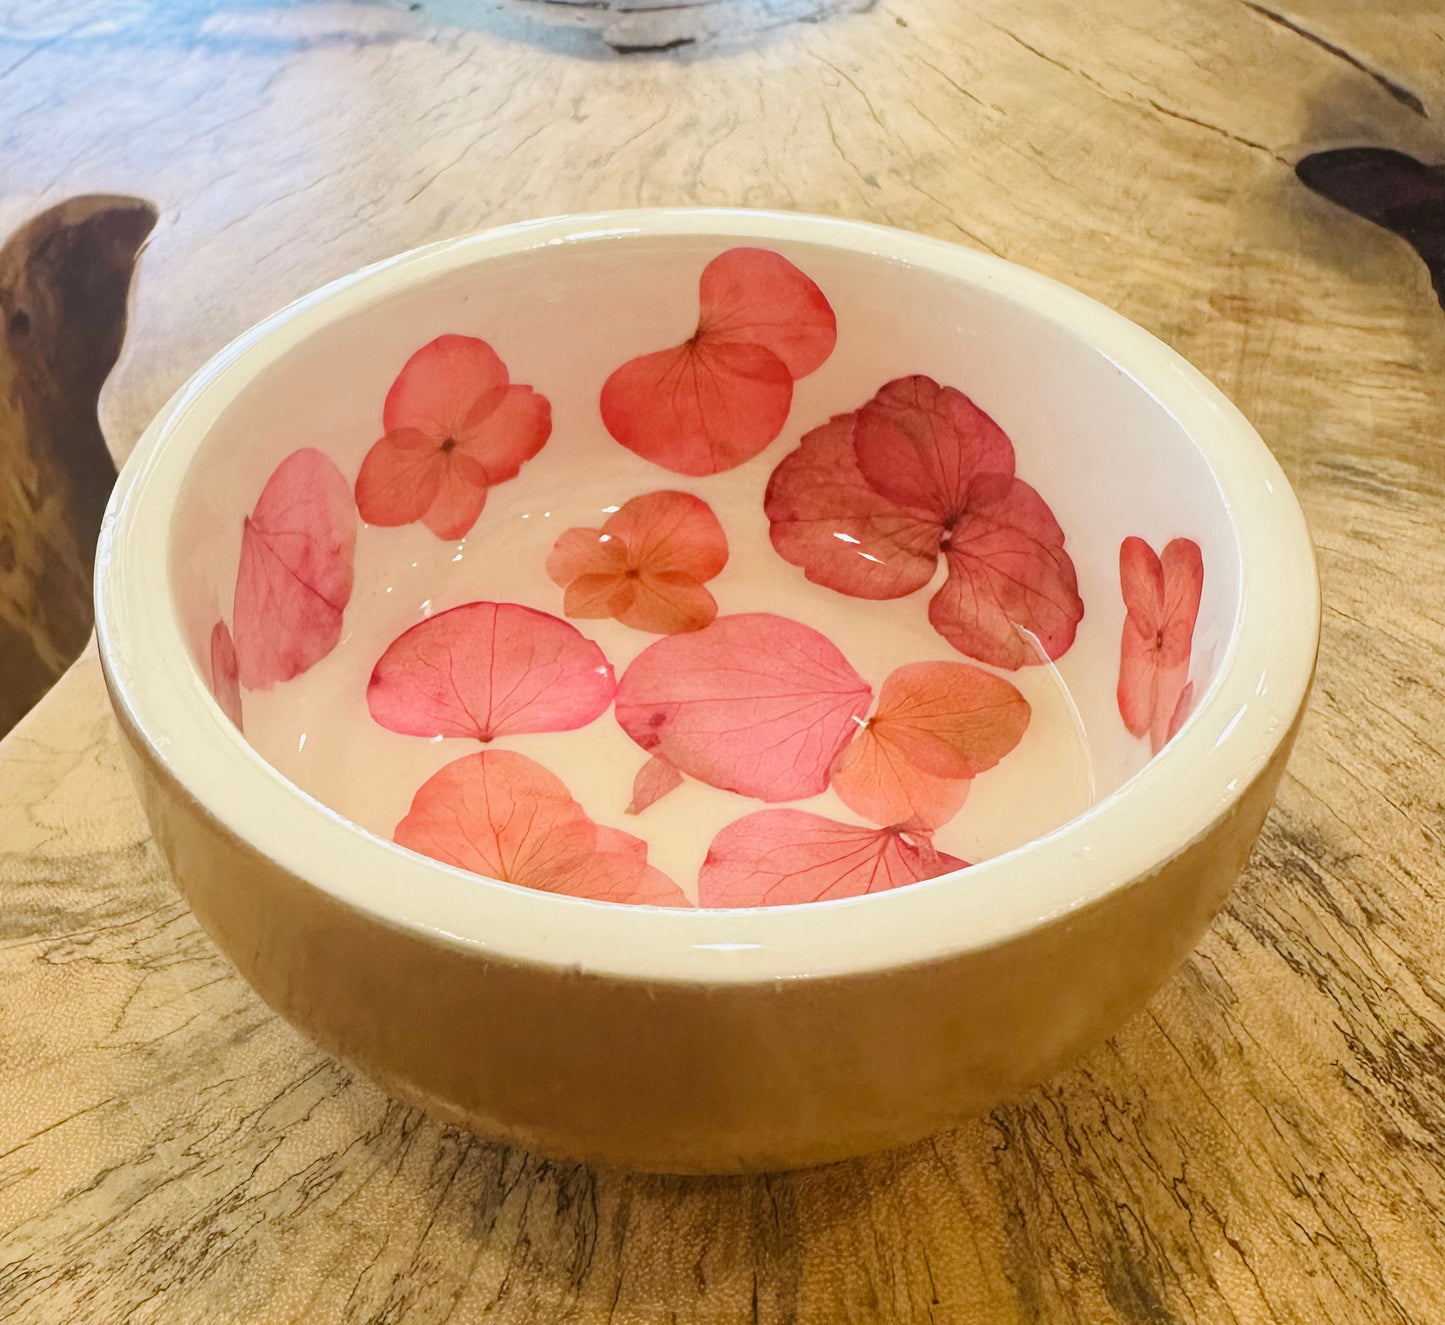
(1265,1143)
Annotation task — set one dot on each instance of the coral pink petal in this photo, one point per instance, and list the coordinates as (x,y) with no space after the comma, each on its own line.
(1012,595)
(756,704)
(399,478)
(501,815)
(618,876)
(1141,579)
(756,296)
(225,673)
(949,719)
(653,781)
(489,669)
(667,604)
(1181,711)
(1171,680)
(460,496)
(825,518)
(671,532)
(503,434)
(876,780)
(614,841)
(441,386)
(782,857)
(922,445)
(1161,598)
(699,408)
(591,597)
(585,552)
(295,573)
(1183,567)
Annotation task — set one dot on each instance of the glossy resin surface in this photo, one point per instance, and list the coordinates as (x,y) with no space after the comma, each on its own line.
(870,575)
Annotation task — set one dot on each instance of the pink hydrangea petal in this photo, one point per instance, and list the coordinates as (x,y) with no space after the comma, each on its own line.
(875,779)
(501,438)
(922,445)
(667,532)
(783,857)
(824,517)
(653,781)
(484,670)
(460,496)
(1183,566)
(585,552)
(699,408)
(667,604)
(593,597)
(441,386)
(501,815)
(295,573)
(950,719)
(1012,596)
(399,478)
(756,296)
(756,704)
(1161,599)
(225,673)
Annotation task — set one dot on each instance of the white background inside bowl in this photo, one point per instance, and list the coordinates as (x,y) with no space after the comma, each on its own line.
(1108,458)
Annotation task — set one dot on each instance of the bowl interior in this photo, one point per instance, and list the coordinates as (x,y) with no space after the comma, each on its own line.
(1107,459)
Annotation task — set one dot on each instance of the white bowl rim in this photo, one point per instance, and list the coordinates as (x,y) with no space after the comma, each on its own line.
(1236,728)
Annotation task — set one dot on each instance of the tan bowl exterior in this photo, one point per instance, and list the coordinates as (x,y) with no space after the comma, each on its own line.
(691,1078)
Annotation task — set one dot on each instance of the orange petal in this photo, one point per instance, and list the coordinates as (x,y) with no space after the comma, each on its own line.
(874,779)
(459,500)
(441,385)
(592,596)
(503,436)
(671,531)
(950,719)
(585,552)
(667,604)
(399,478)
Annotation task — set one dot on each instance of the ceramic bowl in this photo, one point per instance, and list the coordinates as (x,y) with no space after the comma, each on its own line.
(704,690)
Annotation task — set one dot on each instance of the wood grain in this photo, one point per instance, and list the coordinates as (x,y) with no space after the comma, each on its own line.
(1265,1144)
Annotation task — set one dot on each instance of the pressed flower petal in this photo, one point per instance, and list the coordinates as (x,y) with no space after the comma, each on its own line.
(1161,598)
(225,673)
(295,573)
(950,719)
(922,445)
(644,566)
(1141,578)
(667,604)
(501,436)
(585,552)
(484,670)
(591,597)
(876,780)
(937,726)
(653,781)
(824,517)
(460,496)
(442,385)
(399,478)
(757,296)
(501,815)
(782,857)
(756,704)
(668,532)
(1011,597)
(699,408)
